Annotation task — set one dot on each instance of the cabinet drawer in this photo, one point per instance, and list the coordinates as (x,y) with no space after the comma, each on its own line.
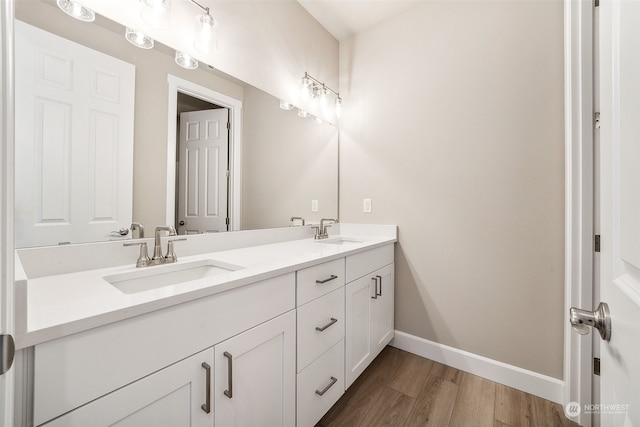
(313,282)
(320,326)
(324,376)
(365,262)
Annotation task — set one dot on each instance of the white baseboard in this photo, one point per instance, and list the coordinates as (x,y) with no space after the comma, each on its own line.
(528,381)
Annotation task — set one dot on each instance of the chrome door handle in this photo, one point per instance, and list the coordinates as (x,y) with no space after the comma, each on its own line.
(333,320)
(229,391)
(206,407)
(599,319)
(330,278)
(324,390)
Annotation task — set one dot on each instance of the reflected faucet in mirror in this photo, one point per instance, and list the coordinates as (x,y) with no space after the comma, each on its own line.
(296,218)
(139,227)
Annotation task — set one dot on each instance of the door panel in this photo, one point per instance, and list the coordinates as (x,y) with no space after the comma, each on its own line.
(203,164)
(74,148)
(620,210)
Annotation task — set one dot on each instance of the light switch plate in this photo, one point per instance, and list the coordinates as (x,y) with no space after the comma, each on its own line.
(314,206)
(366,205)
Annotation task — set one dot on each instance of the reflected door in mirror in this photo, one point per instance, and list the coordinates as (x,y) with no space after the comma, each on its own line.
(74,141)
(202,171)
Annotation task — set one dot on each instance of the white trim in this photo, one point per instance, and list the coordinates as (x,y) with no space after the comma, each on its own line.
(578,61)
(7,112)
(176,84)
(528,381)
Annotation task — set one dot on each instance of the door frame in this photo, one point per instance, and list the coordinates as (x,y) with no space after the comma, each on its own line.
(176,84)
(7,112)
(579,200)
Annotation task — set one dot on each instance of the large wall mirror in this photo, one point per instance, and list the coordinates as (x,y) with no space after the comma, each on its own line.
(279,165)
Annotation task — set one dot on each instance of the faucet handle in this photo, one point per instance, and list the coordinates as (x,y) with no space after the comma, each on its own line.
(143,259)
(171,255)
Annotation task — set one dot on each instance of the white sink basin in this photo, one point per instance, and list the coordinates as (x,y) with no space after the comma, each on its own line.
(155,277)
(338,241)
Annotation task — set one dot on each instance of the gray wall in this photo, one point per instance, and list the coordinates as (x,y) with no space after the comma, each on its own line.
(453,125)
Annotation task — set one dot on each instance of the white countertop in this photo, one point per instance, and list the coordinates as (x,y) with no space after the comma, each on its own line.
(62,304)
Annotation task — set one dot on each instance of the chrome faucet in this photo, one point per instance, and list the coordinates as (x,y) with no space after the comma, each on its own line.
(158,258)
(293,218)
(321,231)
(139,227)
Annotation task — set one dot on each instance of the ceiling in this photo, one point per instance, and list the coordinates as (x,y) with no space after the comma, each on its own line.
(342,18)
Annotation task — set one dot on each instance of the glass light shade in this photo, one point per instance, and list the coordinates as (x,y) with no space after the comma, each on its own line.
(139,39)
(307,88)
(324,99)
(285,105)
(204,34)
(338,106)
(78,11)
(317,120)
(186,61)
(302,113)
(156,13)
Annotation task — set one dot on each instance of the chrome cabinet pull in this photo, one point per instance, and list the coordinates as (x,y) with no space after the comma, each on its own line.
(333,320)
(375,290)
(229,391)
(324,390)
(332,277)
(206,407)
(379,279)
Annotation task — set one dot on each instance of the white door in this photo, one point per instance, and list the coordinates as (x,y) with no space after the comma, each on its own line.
(7,329)
(74,141)
(255,376)
(620,210)
(203,165)
(176,396)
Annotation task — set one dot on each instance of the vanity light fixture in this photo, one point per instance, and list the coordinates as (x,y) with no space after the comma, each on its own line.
(138,38)
(186,61)
(156,13)
(78,11)
(313,88)
(285,105)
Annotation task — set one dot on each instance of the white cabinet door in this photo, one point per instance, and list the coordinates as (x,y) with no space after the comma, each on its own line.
(382,312)
(171,397)
(359,295)
(369,319)
(255,376)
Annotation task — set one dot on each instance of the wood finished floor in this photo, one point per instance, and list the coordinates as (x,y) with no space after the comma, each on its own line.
(402,389)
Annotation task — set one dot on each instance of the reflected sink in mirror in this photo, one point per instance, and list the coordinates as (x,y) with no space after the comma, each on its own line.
(166,275)
(339,241)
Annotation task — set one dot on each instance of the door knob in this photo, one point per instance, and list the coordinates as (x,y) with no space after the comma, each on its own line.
(181,222)
(599,319)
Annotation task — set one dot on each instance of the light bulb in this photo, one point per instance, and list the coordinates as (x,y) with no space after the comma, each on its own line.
(285,105)
(205,33)
(324,99)
(186,61)
(139,39)
(338,106)
(307,89)
(78,11)
(156,13)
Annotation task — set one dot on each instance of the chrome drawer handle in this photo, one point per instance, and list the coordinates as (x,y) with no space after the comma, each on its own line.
(333,320)
(380,279)
(206,407)
(229,391)
(324,390)
(332,277)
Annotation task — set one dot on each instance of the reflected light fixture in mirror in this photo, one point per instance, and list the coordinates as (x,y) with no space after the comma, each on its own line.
(156,13)
(139,39)
(78,11)
(302,113)
(285,105)
(186,61)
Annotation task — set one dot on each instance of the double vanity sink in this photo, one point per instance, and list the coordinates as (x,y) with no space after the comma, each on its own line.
(247,328)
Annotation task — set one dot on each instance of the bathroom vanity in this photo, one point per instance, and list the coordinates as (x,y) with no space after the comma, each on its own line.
(269,328)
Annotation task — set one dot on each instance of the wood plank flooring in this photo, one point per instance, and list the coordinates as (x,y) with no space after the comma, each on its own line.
(404,390)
